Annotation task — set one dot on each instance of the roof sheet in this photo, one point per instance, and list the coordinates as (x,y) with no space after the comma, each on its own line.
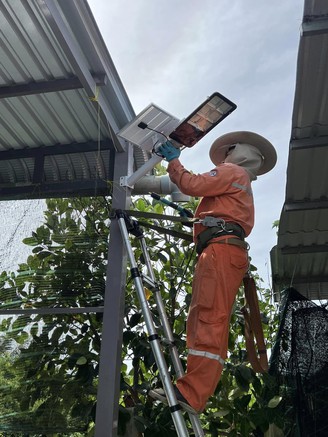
(301,255)
(59,93)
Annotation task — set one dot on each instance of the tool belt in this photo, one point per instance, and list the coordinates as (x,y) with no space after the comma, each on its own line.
(222,229)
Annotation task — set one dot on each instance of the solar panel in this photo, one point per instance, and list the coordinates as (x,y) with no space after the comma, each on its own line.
(159,125)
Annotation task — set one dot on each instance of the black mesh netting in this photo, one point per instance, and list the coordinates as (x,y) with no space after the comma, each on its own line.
(300,360)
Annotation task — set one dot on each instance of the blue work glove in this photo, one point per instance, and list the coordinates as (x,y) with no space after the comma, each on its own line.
(168,151)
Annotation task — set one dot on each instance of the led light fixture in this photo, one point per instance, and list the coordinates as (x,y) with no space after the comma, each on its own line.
(202,120)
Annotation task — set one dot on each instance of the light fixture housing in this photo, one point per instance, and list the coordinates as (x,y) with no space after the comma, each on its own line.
(210,113)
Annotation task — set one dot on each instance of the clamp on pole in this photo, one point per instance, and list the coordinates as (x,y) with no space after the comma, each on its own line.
(132,226)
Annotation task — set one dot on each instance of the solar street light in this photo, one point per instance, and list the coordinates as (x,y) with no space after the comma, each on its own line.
(153,126)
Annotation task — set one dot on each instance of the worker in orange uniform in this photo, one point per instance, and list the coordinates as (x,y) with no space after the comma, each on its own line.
(226,213)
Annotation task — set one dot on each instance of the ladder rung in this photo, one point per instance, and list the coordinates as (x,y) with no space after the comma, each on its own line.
(153,286)
(167,342)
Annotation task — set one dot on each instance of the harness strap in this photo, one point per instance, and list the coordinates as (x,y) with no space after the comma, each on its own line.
(204,237)
(255,345)
(177,234)
(233,241)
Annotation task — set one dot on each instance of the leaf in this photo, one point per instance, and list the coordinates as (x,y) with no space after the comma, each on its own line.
(148,293)
(274,402)
(37,249)
(20,322)
(140,205)
(236,393)
(91,430)
(158,208)
(44,254)
(57,333)
(81,361)
(128,336)
(123,418)
(22,337)
(162,257)
(135,319)
(245,372)
(243,377)
(257,384)
(140,423)
(221,413)
(31,241)
(241,403)
(275,224)
(68,244)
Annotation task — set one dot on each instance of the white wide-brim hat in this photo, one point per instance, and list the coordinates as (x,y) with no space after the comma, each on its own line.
(220,147)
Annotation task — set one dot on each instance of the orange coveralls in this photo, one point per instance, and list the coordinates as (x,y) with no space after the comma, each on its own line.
(226,193)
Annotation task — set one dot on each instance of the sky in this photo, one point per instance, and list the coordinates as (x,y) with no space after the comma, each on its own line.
(176,53)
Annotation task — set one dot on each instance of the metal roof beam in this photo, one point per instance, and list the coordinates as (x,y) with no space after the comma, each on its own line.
(319,279)
(310,280)
(313,248)
(92,187)
(48,86)
(305,205)
(314,25)
(308,143)
(75,56)
(59,149)
(51,310)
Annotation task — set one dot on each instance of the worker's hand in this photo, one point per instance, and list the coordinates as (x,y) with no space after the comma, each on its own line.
(168,151)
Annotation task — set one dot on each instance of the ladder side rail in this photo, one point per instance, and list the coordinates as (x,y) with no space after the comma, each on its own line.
(195,422)
(162,313)
(175,408)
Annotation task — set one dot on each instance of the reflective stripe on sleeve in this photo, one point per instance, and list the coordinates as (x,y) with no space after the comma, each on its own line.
(206,355)
(243,187)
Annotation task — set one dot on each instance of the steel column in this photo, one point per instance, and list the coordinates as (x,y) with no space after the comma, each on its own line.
(112,332)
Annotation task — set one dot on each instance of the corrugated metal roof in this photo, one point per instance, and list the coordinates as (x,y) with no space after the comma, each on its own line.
(54,72)
(301,255)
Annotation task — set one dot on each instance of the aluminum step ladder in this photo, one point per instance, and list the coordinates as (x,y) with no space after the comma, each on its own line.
(141,280)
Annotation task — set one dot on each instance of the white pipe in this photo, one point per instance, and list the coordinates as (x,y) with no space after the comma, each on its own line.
(159,185)
(143,170)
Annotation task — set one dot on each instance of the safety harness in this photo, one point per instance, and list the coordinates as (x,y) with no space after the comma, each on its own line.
(217,227)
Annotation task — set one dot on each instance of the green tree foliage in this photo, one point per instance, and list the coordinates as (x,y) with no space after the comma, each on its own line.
(49,372)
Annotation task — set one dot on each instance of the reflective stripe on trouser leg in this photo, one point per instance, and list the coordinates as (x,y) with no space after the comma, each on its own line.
(206,355)
(218,275)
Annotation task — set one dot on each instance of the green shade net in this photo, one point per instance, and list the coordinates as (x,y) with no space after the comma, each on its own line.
(300,361)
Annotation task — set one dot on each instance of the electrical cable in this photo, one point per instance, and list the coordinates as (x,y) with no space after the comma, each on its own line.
(143,125)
